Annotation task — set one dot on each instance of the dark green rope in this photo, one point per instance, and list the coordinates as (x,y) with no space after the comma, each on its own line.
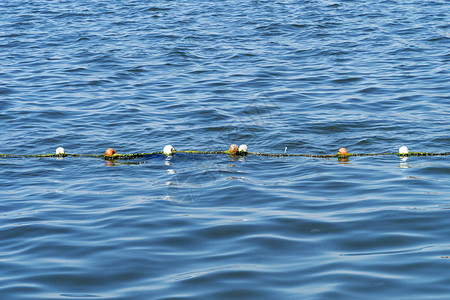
(140,155)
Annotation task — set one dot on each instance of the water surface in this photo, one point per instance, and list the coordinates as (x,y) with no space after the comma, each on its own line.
(312,76)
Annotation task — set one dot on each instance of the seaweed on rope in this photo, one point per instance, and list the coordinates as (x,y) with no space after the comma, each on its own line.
(140,155)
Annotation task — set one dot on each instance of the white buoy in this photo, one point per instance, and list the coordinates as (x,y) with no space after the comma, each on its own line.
(60,150)
(403,150)
(243,148)
(168,149)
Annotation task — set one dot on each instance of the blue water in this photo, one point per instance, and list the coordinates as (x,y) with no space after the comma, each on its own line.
(312,76)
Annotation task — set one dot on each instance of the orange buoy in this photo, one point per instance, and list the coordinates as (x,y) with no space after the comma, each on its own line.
(233,149)
(342,151)
(110,152)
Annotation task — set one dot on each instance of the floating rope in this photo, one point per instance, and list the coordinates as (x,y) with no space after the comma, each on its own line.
(111,154)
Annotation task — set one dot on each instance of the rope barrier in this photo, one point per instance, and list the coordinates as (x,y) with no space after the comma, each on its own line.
(110,154)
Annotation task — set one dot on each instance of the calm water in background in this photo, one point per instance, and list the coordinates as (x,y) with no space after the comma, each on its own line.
(311,76)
